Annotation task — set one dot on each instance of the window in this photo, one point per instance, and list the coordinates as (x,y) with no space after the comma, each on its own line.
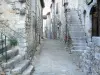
(56,8)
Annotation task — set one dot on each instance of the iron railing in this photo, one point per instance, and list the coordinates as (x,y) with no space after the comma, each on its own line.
(3,46)
(7,33)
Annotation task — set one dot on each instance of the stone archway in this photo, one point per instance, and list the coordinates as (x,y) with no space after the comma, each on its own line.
(95,13)
(95,26)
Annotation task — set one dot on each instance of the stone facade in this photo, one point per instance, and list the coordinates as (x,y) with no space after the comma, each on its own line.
(58,19)
(14,21)
(23,20)
(34,24)
(76,22)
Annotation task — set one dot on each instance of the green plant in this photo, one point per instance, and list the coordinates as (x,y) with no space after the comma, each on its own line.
(13,41)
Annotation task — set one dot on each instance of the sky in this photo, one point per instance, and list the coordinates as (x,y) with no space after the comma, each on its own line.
(47,6)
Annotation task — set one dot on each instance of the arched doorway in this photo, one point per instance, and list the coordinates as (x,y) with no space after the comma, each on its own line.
(95,25)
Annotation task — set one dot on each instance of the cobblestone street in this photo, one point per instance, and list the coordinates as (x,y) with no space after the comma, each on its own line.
(55,60)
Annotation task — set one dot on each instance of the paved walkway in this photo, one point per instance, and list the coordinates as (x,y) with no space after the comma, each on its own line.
(55,60)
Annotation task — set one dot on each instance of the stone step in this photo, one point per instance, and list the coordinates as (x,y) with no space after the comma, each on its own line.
(80,47)
(76,26)
(74,37)
(29,70)
(77,50)
(79,44)
(77,35)
(75,30)
(20,67)
(83,38)
(79,41)
(10,53)
(77,38)
(75,22)
(3,49)
(12,62)
(75,16)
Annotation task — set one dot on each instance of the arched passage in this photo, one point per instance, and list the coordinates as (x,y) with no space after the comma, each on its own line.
(95,26)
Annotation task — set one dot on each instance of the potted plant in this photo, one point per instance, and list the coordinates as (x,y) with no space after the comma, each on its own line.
(13,41)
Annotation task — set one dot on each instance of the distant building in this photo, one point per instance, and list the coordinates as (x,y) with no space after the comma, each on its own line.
(49,26)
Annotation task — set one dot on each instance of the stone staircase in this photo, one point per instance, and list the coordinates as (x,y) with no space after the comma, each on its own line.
(16,62)
(78,36)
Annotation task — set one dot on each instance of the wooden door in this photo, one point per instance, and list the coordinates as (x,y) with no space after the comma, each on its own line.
(98,10)
(94,24)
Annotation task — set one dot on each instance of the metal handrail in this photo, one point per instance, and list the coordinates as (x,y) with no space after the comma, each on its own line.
(4,46)
(7,32)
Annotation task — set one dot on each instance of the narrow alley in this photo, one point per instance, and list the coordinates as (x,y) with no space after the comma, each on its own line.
(49,37)
(55,60)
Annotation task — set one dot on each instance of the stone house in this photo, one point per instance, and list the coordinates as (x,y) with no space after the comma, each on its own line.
(49,26)
(20,19)
(80,23)
(34,23)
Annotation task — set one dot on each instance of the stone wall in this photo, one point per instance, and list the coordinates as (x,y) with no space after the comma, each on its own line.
(15,21)
(34,23)
(58,19)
